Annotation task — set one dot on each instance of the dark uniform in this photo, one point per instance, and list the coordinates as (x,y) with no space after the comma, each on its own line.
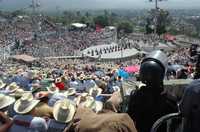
(149,103)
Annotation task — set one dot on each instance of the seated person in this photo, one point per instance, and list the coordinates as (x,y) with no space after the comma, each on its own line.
(26,119)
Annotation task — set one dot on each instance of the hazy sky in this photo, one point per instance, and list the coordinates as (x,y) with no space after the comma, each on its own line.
(96,4)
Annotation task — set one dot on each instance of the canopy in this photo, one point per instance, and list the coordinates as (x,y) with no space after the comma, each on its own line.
(132,69)
(79,25)
(100,73)
(24,57)
(174,67)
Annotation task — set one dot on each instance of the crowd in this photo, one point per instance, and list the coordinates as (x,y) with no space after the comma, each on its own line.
(50,99)
(81,98)
(42,38)
(80,95)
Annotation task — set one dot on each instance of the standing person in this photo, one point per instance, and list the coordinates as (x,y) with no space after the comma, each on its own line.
(149,103)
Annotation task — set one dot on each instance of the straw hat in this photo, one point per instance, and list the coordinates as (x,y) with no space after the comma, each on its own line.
(88,77)
(52,88)
(5,101)
(81,77)
(25,104)
(58,80)
(19,92)
(64,111)
(81,98)
(91,103)
(70,92)
(116,88)
(2,84)
(95,91)
(12,87)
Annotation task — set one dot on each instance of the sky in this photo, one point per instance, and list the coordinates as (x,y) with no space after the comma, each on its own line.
(99,4)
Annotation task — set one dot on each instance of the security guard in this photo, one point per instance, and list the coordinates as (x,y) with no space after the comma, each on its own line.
(149,103)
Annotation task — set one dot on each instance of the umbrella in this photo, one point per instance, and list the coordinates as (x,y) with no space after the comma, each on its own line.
(100,73)
(174,67)
(57,71)
(123,73)
(132,69)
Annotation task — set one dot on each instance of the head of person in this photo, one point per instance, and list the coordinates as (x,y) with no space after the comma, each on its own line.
(190,107)
(26,104)
(153,69)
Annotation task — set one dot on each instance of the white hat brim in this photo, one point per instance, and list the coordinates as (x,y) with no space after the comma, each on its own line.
(98,89)
(70,115)
(2,86)
(17,104)
(8,101)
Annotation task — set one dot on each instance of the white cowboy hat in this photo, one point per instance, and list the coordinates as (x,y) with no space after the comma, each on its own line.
(5,101)
(64,111)
(25,104)
(91,103)
(116,88)
(18,93)
(58,80)
(70,92)
(95,91)
(2,84)
(52,89)
(80,98)
(12,87)
(81,77)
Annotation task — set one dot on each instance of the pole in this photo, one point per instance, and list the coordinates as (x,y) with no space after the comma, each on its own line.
(155,18)
(156,4)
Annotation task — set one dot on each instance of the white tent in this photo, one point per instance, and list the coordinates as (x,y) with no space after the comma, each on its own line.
(78,25)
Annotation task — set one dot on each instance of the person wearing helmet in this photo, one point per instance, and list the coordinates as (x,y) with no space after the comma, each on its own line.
(149,102)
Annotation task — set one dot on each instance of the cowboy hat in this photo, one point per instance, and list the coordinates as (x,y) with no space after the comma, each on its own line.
(95,91)
(25,104)
(81,77)
(80,98)
(63,111)
(31,74)
(88,77)
(91,103)
(70,91)
(5,101)
(52,88)
(18,93)
(12,87)
(2,84)
(58,80)
(116,88)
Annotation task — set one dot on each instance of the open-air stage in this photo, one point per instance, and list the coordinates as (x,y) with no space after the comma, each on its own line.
(119,54)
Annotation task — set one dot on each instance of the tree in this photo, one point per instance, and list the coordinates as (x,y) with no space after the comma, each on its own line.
(17,13)
(101,20)
(162,20)
(125,26)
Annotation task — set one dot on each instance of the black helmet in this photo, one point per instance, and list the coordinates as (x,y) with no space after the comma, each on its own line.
(153,68)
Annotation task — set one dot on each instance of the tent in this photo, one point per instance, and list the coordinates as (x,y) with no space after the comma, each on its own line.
(24,58)
(132,69)
(78,25)
(123,73)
